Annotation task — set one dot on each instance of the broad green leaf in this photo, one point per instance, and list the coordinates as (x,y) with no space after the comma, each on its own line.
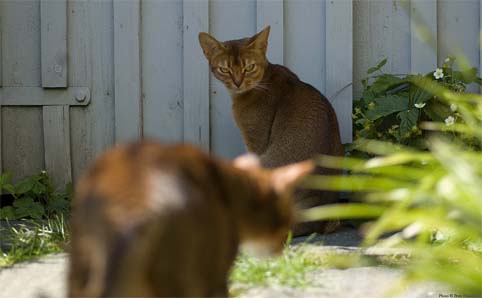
(437,111)
(5,178)
(386,105)
(377,67)
(26,207)
(10,188)
(408,120)
(419,95)
(38,188)
(385,82)
(7,213)
(25,185)
(342,211)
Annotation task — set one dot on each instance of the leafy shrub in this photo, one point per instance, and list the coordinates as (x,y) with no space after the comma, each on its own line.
(391,108)
(428,201)
(34,197)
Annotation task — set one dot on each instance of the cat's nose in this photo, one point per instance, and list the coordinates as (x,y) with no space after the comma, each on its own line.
(238,80)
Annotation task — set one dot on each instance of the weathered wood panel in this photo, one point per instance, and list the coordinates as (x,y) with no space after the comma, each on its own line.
(339,63)
(381,29)
(91,63)
(79,72)
(58,162)
(1,83)
(458,32)
(38,96)
(423,26)
(162,69)
(195,74)
(22,133)
(229,20)
(127,18)
(53,24)
(271,12)
(22,141)
(305,40)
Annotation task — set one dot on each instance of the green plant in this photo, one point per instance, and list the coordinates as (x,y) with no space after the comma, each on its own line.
(34,197)
(392,107)
(429,201)
(289,269)
(31,239)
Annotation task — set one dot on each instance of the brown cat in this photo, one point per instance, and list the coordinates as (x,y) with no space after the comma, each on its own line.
(151,220)
(281,118)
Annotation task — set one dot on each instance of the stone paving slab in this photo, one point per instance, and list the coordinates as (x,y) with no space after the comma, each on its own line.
(43,278)
(46,278)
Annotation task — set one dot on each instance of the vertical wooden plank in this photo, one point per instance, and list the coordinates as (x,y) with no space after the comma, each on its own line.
(162,70)
(305,40)
(271,12)
(1,42)
(339,62)
(1,81)
(53,23)
(22,141)
(195,74)
(127,70)
(56,123)
(80,67)
(22,133)
(381,30)
(91,64)
(101,78)
(21,43)
(458,31)
(229,20)
(423,27)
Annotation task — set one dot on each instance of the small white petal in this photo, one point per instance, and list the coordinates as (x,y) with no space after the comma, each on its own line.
(449,121)
(419,105)
(453,107)
(447,60)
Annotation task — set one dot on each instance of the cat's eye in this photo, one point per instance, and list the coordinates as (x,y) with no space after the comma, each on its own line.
(249,68)
(223,69)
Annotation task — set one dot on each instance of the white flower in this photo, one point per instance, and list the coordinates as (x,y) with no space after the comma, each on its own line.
(453,107)
(419,105)
(439,236)
(438,73)
(450,121)
(447,60)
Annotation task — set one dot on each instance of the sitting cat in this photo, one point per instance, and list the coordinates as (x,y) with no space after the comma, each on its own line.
(281,118)
(152,220)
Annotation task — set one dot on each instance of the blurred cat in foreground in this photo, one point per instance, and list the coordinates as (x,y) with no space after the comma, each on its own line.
(152,220)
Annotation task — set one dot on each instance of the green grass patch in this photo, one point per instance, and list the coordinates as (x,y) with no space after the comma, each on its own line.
(32,239)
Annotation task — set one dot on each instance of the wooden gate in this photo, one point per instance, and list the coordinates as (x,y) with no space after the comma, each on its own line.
(55,105)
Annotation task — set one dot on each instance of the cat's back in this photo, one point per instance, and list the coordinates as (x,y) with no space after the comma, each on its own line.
(290,87)
(304,117)
(144,215)
(134,177)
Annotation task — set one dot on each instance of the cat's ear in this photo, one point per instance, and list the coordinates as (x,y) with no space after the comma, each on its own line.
(260,40)
(209,44)
(248,161)
(285,178)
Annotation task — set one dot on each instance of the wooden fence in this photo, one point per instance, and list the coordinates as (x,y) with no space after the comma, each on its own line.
(78,76)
